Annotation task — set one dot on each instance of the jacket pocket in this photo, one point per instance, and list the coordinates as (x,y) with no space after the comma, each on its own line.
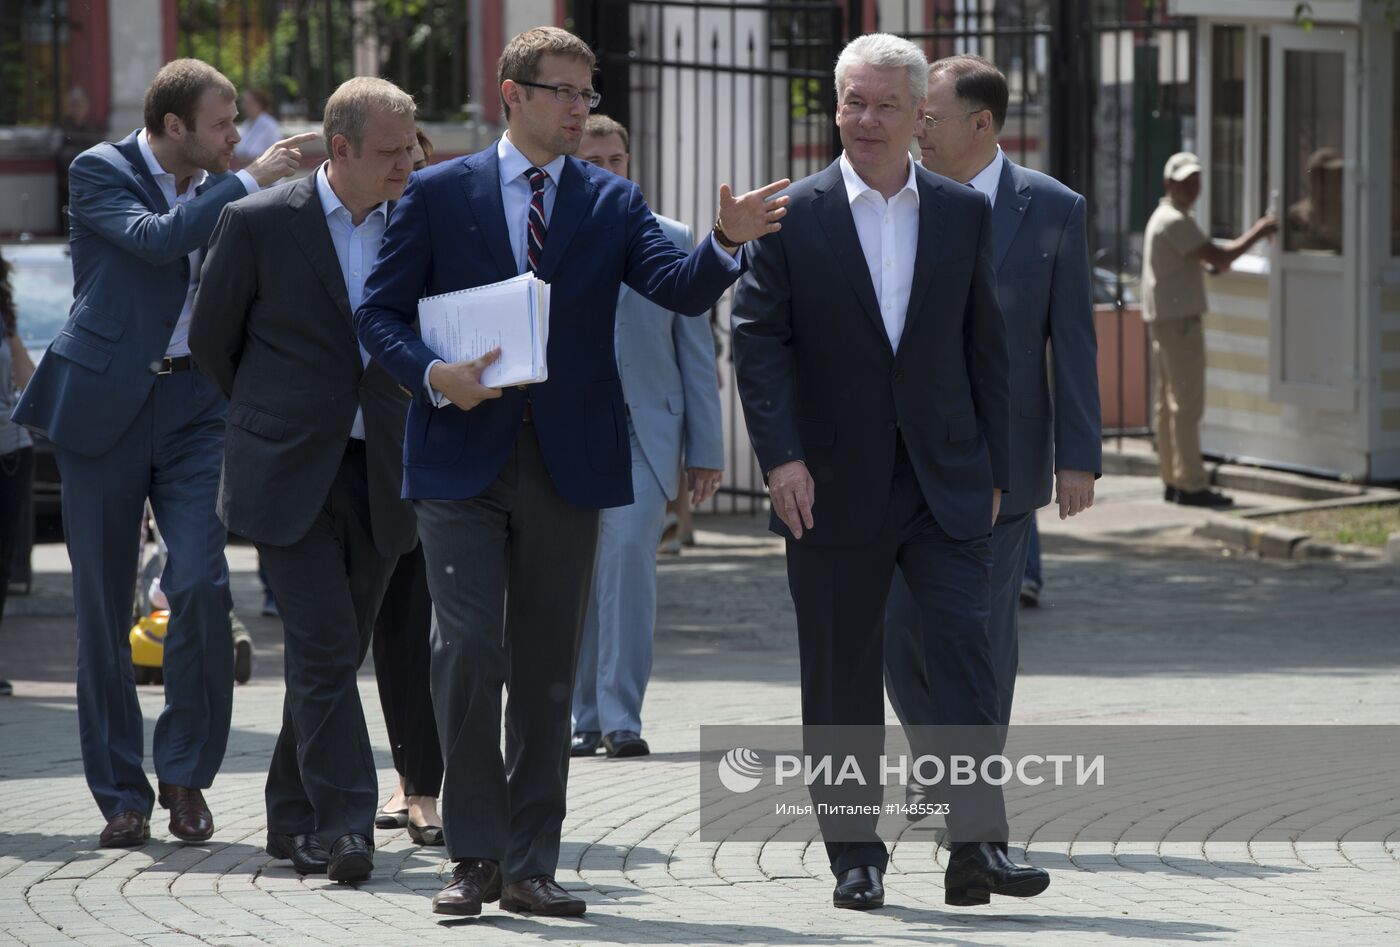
(605,426)
(99,323)
(258,422)
(962,428)
(90,355)
(675,402)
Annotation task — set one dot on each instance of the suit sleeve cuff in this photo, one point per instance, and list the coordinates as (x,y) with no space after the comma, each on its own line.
(437,398)
(731,263)
(250,183)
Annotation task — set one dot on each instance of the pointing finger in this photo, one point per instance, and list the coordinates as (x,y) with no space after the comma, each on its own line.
(770,189)
(297,139)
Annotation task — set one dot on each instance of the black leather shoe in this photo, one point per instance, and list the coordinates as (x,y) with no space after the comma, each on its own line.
(125,830)
(625,743)
(190,819)
(978,870)
(1170,494)
(860,889)
(351,859)
(474,881)
(307,854)
(540,895)
(585,743)
(1211,499)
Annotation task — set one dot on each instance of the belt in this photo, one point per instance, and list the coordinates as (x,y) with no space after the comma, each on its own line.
(169,365)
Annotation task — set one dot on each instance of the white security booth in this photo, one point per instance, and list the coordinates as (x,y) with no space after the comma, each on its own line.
(1299,109)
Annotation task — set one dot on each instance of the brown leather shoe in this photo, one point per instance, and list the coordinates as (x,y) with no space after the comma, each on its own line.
(474,881)
(190,819)
(541,895)
(125,830)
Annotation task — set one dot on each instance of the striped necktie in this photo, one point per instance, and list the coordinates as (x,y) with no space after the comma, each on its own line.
(534,251)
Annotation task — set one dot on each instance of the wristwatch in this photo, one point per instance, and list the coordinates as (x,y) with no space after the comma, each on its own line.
(722,239)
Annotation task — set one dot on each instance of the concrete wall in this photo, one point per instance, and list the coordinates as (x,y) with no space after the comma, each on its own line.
(137,52)
(520,15)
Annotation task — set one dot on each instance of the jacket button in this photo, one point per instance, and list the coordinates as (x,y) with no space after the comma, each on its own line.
(893,425)
(896,376)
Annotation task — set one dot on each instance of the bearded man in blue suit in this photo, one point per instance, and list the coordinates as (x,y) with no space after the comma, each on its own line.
(507,484)
(130,421)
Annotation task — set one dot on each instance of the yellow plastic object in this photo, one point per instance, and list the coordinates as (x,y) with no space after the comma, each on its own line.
(148,639)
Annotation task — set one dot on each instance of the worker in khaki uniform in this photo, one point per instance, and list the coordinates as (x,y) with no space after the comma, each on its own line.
(1175,255)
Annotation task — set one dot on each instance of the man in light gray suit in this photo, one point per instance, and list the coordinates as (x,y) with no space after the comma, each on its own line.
(128,421)
(1040,251)
(667,364)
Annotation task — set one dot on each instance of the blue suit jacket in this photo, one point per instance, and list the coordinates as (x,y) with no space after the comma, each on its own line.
(1041,253)
(130,275)
(449,233)
(667,362)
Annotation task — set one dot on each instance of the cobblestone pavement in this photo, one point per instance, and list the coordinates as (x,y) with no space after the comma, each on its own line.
(1139,624)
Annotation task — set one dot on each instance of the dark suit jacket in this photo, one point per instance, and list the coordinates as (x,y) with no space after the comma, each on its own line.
(819,380)
(449,233)
(1041,253)
(130,275)
(272,326)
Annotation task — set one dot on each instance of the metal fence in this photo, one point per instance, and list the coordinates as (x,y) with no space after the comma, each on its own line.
(300,50)
(1102,91)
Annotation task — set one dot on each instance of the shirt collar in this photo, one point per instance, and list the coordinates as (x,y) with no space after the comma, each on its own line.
(856,186)
(989,178)
(330,202)
(514,164)
(152,165)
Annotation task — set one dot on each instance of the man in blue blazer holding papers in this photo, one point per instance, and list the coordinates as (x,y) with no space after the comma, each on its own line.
(507,484)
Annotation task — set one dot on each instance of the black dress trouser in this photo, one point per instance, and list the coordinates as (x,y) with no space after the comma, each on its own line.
(839,595)
(328,586)
(401,667)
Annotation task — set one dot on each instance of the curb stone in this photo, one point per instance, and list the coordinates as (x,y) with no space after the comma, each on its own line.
(1279,542)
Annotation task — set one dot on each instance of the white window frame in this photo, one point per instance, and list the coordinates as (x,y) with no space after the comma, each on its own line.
(1254,149)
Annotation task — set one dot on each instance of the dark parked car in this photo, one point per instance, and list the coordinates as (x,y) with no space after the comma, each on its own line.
(43,285)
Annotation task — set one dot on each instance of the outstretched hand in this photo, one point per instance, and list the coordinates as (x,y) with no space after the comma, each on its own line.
(754,214)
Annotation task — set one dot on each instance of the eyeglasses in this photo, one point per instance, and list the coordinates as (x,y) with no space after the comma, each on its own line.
(567,93)
(932,122)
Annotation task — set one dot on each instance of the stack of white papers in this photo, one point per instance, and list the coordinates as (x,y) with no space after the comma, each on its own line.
(512,315)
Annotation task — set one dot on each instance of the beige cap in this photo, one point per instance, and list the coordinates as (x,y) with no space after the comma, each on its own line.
(1181,166)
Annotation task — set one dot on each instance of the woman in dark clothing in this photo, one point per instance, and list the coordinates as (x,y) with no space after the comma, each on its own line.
(401,668)
(16,448)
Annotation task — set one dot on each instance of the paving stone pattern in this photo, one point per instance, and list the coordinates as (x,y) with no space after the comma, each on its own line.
(1139,624)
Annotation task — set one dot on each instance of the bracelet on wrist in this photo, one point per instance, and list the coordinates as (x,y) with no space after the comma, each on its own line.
(723,239)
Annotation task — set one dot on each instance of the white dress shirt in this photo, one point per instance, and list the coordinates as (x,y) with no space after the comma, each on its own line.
(889,237)
(180,337)
(515,195)
(258,135)
(989,178)
(355,249)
